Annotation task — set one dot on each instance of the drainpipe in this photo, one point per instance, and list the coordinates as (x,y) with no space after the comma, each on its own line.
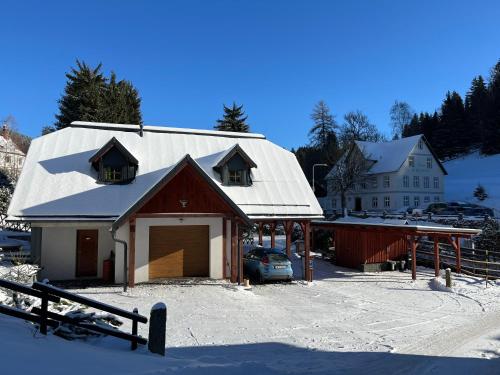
(125,260)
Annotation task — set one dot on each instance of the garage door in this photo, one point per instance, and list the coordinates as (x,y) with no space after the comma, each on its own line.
(178,251)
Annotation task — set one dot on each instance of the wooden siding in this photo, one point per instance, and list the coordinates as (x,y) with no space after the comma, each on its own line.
(188,186)
(356,247)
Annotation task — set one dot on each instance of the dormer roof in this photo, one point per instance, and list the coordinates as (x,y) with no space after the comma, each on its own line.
(113,142)
(236,149)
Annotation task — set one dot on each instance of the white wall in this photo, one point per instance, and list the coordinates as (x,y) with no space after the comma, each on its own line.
(58,248)
(142,244)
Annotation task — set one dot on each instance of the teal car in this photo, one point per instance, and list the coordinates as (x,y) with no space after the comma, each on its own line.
(263,264)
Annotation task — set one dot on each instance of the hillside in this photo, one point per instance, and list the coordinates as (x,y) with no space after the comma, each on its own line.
(464,174)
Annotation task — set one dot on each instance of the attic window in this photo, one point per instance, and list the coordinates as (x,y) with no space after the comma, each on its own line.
(114,163)
(421,144)
(235,167)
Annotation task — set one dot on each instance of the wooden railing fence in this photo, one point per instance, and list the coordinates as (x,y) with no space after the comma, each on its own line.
(45,318)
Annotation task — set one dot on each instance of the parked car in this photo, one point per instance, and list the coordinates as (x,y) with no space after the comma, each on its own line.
(263,264)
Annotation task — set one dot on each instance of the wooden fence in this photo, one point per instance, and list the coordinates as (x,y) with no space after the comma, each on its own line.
(477,262)
(45,318)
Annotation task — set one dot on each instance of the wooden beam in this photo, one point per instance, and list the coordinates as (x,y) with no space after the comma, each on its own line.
(234,255)
(240,254)
(288,231)
(272,228)
(458,256)
(413,258)
(436,256)
(177,214)
(261,234)
(131,247)
(224,247)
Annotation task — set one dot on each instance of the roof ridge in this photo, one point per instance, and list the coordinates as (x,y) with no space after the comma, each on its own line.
(163,129)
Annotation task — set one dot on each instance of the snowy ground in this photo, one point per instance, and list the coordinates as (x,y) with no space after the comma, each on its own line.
(464,174)
(344,322)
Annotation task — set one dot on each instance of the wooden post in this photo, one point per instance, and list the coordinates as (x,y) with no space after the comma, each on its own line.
(224,240)
(234,249)
(240,255)
(43,313)
(307,248)
(157,328)
(459,256)
(272,228)
(288,231)
(436,256)
(313,240)
(413,258)
(131,259)
(134,329)
(261,229)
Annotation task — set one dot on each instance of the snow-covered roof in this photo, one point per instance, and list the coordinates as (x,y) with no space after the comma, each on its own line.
(57,179)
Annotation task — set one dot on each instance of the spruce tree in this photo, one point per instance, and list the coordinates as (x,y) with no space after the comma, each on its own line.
(480,193)
(451,135)
(491,137)
(234,120)
(476,108)
(323,130)
(90,96)
(82,95)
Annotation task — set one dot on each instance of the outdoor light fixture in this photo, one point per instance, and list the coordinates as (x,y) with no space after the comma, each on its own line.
(183,203)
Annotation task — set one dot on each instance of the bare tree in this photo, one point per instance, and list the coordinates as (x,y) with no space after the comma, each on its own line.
(324,125)
(401,115)
(357,127)
(347,172)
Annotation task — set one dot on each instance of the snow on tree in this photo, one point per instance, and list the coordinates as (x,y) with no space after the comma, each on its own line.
(480,192)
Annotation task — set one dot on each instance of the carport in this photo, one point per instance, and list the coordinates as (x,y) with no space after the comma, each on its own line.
(376,240)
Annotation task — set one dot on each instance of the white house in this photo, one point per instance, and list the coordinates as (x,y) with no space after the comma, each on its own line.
(176,198)
(11,157)
(401,174)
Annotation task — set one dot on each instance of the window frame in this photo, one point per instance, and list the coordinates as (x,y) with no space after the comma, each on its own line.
(387,182)
(387,202)
(416,181)
(436,183)
(406,201)
(427,182)
(374,202)
(411,161)
(406,181)
(416,201)
(429,163)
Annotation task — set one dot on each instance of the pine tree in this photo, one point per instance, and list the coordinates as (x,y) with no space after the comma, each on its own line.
(480,193)
(234,120)
(491,137)
(451,135)
(90,96)
(82,95)
(323,130)
(476,107)
(489,239)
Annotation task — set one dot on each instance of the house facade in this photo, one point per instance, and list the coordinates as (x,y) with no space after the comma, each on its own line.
(11,157)
(400,174)
(177,200)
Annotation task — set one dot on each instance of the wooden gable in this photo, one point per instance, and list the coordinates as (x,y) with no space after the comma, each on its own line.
(189,188)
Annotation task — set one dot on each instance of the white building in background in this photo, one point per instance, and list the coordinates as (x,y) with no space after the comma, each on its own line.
(402,173)
(11,157)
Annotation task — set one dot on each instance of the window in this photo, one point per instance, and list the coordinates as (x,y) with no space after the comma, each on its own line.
(236,177)
(387,181)
(334,203)
(374,202)
(387,201)
(375,182)
(416,181)
(411,161)
(427,199)
(427,183)
(406,181)
(436,198)
(416,201)
(429,163)
(421,144)
(363,185)
(112,174)
(436,182)
(406,201)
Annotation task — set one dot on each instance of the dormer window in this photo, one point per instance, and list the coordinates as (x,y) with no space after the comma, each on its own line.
(114,163)
(235,167)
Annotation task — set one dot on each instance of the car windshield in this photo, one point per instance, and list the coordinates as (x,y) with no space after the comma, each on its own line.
(276,255)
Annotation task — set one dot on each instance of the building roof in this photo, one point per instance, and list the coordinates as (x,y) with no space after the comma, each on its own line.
(398,225)
(389,156)
(58,181)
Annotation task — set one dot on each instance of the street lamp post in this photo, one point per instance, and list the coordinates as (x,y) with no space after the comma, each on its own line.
(314,166)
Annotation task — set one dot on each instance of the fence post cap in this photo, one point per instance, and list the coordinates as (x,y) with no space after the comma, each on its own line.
(159,306)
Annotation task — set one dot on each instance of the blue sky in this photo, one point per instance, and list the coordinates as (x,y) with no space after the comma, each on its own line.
(278,58)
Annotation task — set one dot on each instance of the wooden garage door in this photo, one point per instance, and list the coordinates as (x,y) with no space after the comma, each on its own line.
(178,251)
